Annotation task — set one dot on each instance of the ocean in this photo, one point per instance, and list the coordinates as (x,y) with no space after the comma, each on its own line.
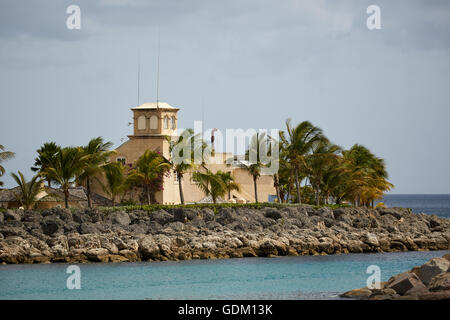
(304,277)
(438,204)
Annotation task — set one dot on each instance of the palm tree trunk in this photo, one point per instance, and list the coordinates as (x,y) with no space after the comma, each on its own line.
(149,201)
(317,196)
(88,191)
(66,198)
(288,192)
(297,185)
(277,187)
(180,187)
(256,188)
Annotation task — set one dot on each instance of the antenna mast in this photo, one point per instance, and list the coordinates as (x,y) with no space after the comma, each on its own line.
(157,74)
(138,77)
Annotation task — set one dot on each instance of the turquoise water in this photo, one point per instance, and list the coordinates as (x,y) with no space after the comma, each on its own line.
(305,277)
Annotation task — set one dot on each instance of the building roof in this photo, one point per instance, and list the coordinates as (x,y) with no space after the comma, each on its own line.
(76,194)
(154,105)
(51,194)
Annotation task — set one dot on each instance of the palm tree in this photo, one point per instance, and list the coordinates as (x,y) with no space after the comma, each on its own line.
(115,180)
(324,155)
(4,155)
(46,156)
(230,183)
(148,173)
(258,148)
(94,156)
(369,175)
(65,169)
(298,143)
(183,153)
(28,191)
(211,184)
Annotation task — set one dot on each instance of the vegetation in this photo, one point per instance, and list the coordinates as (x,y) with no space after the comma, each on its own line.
(28,191)
(253,155)
(184,151)
(93,157)
(211,184)
(115,185)
(45,159)
(4,155)
(336,175)
(65,169)
(311,169)
(148,173)
(229,182)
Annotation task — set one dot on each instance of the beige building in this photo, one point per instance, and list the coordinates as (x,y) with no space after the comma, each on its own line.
(152,123)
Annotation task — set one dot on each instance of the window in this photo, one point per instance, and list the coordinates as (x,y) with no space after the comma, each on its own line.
(121,160)
(173,123)
(141,123)
(153,122)
(175,177)
(166,122)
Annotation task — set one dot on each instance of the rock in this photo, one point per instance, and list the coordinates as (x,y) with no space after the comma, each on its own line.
(439,295)
(357,293)
(207,214)
(98,255)
(391,211)
(129,255)
(148,248)
(404,282)
(162,217)
(267,248)
(226,216)
(247,252)
(87,228)
(9,215)
(51,225)
(432,268)
(117,258)
(184,215)
(272,213)
(1,218)
(370,239)
(441,282)
(122,218)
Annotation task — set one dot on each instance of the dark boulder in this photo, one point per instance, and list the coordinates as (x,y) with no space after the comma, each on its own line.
(87,228)
(160,216)
(226,216)
(272,213)
(12,215)
(51,225)
(121,218)
(184,215)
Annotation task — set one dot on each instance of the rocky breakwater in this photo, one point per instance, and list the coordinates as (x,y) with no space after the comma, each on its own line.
(60,235)
(430,281)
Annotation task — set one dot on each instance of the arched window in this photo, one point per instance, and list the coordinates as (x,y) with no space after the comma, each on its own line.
(173,123)
(166,122)
(141,123)
(153,122)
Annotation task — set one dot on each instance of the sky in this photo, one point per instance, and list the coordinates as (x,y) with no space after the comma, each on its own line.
(245,63)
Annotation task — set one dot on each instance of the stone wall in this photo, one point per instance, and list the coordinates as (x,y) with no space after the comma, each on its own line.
(60,235)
